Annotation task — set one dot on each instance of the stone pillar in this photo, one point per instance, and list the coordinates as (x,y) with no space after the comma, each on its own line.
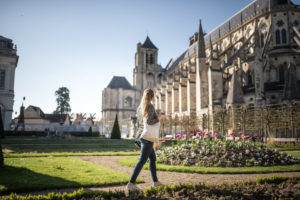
(201,84)
(192,89)
(183,97)
(163,103)
(215,85)
(169,99)
(175,97)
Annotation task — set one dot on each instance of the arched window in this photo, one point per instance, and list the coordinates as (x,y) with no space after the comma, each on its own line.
(262,40)
(277,33)
(283,35)
(249,78)
(128,102)
(2,79)
(159,78)
(150,80)
(147,59)
(151,59)
(281,74)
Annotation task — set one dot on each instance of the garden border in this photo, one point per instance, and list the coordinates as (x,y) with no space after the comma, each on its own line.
(132,160)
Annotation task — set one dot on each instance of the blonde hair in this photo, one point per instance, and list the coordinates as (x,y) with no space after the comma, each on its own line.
(146,100)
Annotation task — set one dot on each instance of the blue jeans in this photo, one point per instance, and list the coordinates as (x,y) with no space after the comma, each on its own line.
(147,151)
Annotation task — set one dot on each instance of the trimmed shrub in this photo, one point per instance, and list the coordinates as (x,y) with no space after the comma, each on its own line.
(116,134)
(272,180)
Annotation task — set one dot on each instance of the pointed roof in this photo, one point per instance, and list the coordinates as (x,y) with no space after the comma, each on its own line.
(291,86)
(148,44)
(4,38)
(120,82)
(235,92)
(201,44)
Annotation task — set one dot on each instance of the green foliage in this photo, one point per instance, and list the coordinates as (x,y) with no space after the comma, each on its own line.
(116,134)
(215,150)
(272,180)
(1,156)
(70,196)
(90,130)
(62,100)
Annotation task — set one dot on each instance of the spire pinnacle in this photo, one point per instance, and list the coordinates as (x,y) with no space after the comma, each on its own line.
(201,44)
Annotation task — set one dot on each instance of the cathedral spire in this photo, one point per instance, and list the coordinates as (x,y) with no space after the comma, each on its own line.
(201,44)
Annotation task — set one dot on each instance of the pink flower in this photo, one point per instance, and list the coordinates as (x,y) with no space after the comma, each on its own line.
(250,138)
(246,136)
(240,133)
(179,136)
(237,139)
(203,133)
(256,136)
(163,141)
(226,135)
(216,139)
(232,133)
(198,133)
(192,134)
(170,138)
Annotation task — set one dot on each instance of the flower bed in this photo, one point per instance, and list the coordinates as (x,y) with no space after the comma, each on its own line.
(215,150)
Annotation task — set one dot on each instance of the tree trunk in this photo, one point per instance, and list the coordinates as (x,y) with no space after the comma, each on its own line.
(1,156)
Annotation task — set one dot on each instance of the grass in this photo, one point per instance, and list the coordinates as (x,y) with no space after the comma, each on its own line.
(65,154)
(207,190)
(76,145)
(293,153)
(28,174)
(131,161)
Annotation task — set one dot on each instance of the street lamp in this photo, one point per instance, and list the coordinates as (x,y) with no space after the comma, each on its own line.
(133,120)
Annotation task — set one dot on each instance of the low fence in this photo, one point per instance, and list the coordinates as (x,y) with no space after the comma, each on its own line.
(275,120)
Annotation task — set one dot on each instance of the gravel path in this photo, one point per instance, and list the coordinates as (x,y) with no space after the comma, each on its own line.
(169,178)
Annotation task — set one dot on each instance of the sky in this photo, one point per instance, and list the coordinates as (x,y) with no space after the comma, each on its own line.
(82,44)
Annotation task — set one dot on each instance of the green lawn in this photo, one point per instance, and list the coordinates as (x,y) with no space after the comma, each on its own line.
(293,153)
(27,174)
(76,144)
(132,160)
(65,154)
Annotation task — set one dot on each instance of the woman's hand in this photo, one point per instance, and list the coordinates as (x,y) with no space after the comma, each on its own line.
(137,146)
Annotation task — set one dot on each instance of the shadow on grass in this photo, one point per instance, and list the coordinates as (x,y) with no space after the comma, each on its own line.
(19,179)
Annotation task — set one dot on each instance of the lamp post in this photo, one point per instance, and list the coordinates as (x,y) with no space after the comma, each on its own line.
(133,120)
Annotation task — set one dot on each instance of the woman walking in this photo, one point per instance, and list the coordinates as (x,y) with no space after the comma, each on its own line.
(147,122)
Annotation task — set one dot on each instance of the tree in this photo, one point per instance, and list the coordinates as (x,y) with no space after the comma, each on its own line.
(63,99)
(2,133)
(116,134)
(90,131)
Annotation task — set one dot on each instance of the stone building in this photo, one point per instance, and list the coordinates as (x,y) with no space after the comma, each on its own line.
(250,59)
(119,98)
(8,63)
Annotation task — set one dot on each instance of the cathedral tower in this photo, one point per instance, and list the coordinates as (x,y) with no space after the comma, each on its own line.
(147,73)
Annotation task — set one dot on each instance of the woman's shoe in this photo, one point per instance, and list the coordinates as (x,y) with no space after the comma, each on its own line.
(131,187)
(157,183)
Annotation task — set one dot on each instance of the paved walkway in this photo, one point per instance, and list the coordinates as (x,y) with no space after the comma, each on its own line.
(169,178)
